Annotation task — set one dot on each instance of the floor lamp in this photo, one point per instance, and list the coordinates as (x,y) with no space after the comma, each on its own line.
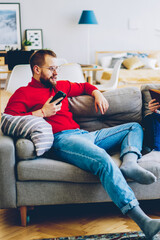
(88,17)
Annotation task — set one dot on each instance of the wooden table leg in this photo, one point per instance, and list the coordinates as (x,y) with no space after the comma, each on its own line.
(85,76)
(90,77)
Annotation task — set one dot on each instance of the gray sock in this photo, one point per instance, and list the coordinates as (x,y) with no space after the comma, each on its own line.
(150,227)
(132,170)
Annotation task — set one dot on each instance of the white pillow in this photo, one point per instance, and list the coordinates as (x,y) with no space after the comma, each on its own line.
(105,62)
(149,62)
(34,128)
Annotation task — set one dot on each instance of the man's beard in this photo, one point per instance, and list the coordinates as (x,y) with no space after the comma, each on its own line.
(47,83)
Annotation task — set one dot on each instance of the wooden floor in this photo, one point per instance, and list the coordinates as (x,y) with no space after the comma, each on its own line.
(71,220)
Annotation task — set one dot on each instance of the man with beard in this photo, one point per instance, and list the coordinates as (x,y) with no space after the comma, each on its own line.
(87,150)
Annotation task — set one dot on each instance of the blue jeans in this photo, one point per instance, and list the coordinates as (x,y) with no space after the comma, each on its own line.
(88,151)
(152,131)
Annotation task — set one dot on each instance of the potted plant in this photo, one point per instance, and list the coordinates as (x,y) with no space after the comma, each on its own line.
(27,45)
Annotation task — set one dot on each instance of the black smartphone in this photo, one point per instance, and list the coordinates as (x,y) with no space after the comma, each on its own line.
(59,94)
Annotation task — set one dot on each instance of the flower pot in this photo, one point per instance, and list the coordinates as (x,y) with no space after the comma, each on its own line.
(27,48)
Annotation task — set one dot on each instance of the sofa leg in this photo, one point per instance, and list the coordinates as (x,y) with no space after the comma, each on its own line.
(23,213)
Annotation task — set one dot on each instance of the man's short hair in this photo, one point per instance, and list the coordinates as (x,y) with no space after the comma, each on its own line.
(38,57)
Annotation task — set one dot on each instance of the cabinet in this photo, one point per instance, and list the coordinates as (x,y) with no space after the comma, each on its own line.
(8,60)
(17,57)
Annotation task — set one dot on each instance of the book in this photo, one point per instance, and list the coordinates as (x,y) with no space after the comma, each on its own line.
(155,94)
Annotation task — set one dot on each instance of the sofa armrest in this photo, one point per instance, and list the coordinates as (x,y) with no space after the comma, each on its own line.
(7,173)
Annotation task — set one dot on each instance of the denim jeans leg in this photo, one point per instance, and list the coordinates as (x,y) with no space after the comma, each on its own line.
(156,131)
(128,136)
(149,131)
(152,131)
(77,149)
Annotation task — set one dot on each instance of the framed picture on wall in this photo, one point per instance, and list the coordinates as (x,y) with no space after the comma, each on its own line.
(35,37)
(10,26)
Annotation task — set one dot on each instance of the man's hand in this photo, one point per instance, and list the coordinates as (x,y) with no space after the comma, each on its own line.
(48,108)
(100,101)
(153,105)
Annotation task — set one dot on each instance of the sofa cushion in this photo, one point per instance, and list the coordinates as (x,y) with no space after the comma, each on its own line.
(30,127)
(151,162)
(125,105)
(54,170)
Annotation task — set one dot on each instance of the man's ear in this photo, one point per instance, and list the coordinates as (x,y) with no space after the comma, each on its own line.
(36,69)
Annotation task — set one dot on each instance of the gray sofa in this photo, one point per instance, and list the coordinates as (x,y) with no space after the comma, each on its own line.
(29,181)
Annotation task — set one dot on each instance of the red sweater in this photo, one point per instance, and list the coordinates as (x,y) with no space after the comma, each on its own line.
(32,97)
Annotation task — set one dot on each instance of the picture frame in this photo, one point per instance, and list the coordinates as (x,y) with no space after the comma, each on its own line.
(35,37)
(10,27)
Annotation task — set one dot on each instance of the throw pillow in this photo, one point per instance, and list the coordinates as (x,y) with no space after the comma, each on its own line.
(108,61)
(149,62)
(114,60)
(133,63)
(156,56)
(105,61)
(34,128)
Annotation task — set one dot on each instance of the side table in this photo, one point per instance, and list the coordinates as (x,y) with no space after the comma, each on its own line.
(88,71)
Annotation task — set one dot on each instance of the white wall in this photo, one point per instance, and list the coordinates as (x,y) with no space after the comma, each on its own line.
(59,21)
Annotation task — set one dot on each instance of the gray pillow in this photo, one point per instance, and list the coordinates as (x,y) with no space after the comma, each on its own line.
(114,60)
(34,128)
